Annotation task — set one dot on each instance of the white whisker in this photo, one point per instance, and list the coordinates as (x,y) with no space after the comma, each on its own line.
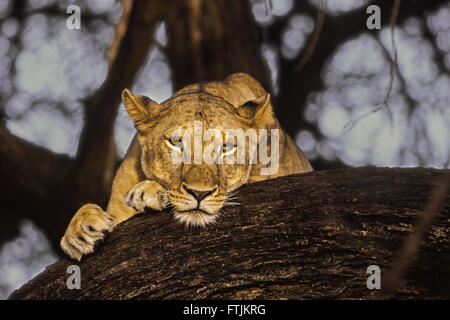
(230,203)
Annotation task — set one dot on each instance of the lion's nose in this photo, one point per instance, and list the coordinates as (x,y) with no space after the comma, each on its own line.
(199,195)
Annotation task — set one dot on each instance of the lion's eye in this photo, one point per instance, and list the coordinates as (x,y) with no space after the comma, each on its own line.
(175,143)
(228,148)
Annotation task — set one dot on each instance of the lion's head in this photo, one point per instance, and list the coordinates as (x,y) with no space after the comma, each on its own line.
(196,118)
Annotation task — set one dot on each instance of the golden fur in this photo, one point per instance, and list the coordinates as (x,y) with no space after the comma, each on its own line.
(148,178)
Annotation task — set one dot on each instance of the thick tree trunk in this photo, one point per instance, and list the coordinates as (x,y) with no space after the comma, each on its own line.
(300,236)
(209,40)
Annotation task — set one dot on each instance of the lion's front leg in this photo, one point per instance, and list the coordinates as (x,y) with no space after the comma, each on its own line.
(147,194)
(88,225)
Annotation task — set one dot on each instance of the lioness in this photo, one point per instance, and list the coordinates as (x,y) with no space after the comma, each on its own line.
(150,178)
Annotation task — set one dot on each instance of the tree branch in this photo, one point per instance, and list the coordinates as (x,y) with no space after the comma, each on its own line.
(312,43)
(412,244)
(300,236)
(29,174)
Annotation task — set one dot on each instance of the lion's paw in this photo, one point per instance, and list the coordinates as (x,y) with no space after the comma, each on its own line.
(147,194)
(88,226)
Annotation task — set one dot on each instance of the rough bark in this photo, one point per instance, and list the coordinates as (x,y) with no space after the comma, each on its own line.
(298,237)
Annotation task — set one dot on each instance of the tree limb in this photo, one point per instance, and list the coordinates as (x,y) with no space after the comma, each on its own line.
(412,244)
(29,174)
(300,236)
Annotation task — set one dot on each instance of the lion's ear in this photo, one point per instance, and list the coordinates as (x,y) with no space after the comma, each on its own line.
(140,108)
(259,110)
